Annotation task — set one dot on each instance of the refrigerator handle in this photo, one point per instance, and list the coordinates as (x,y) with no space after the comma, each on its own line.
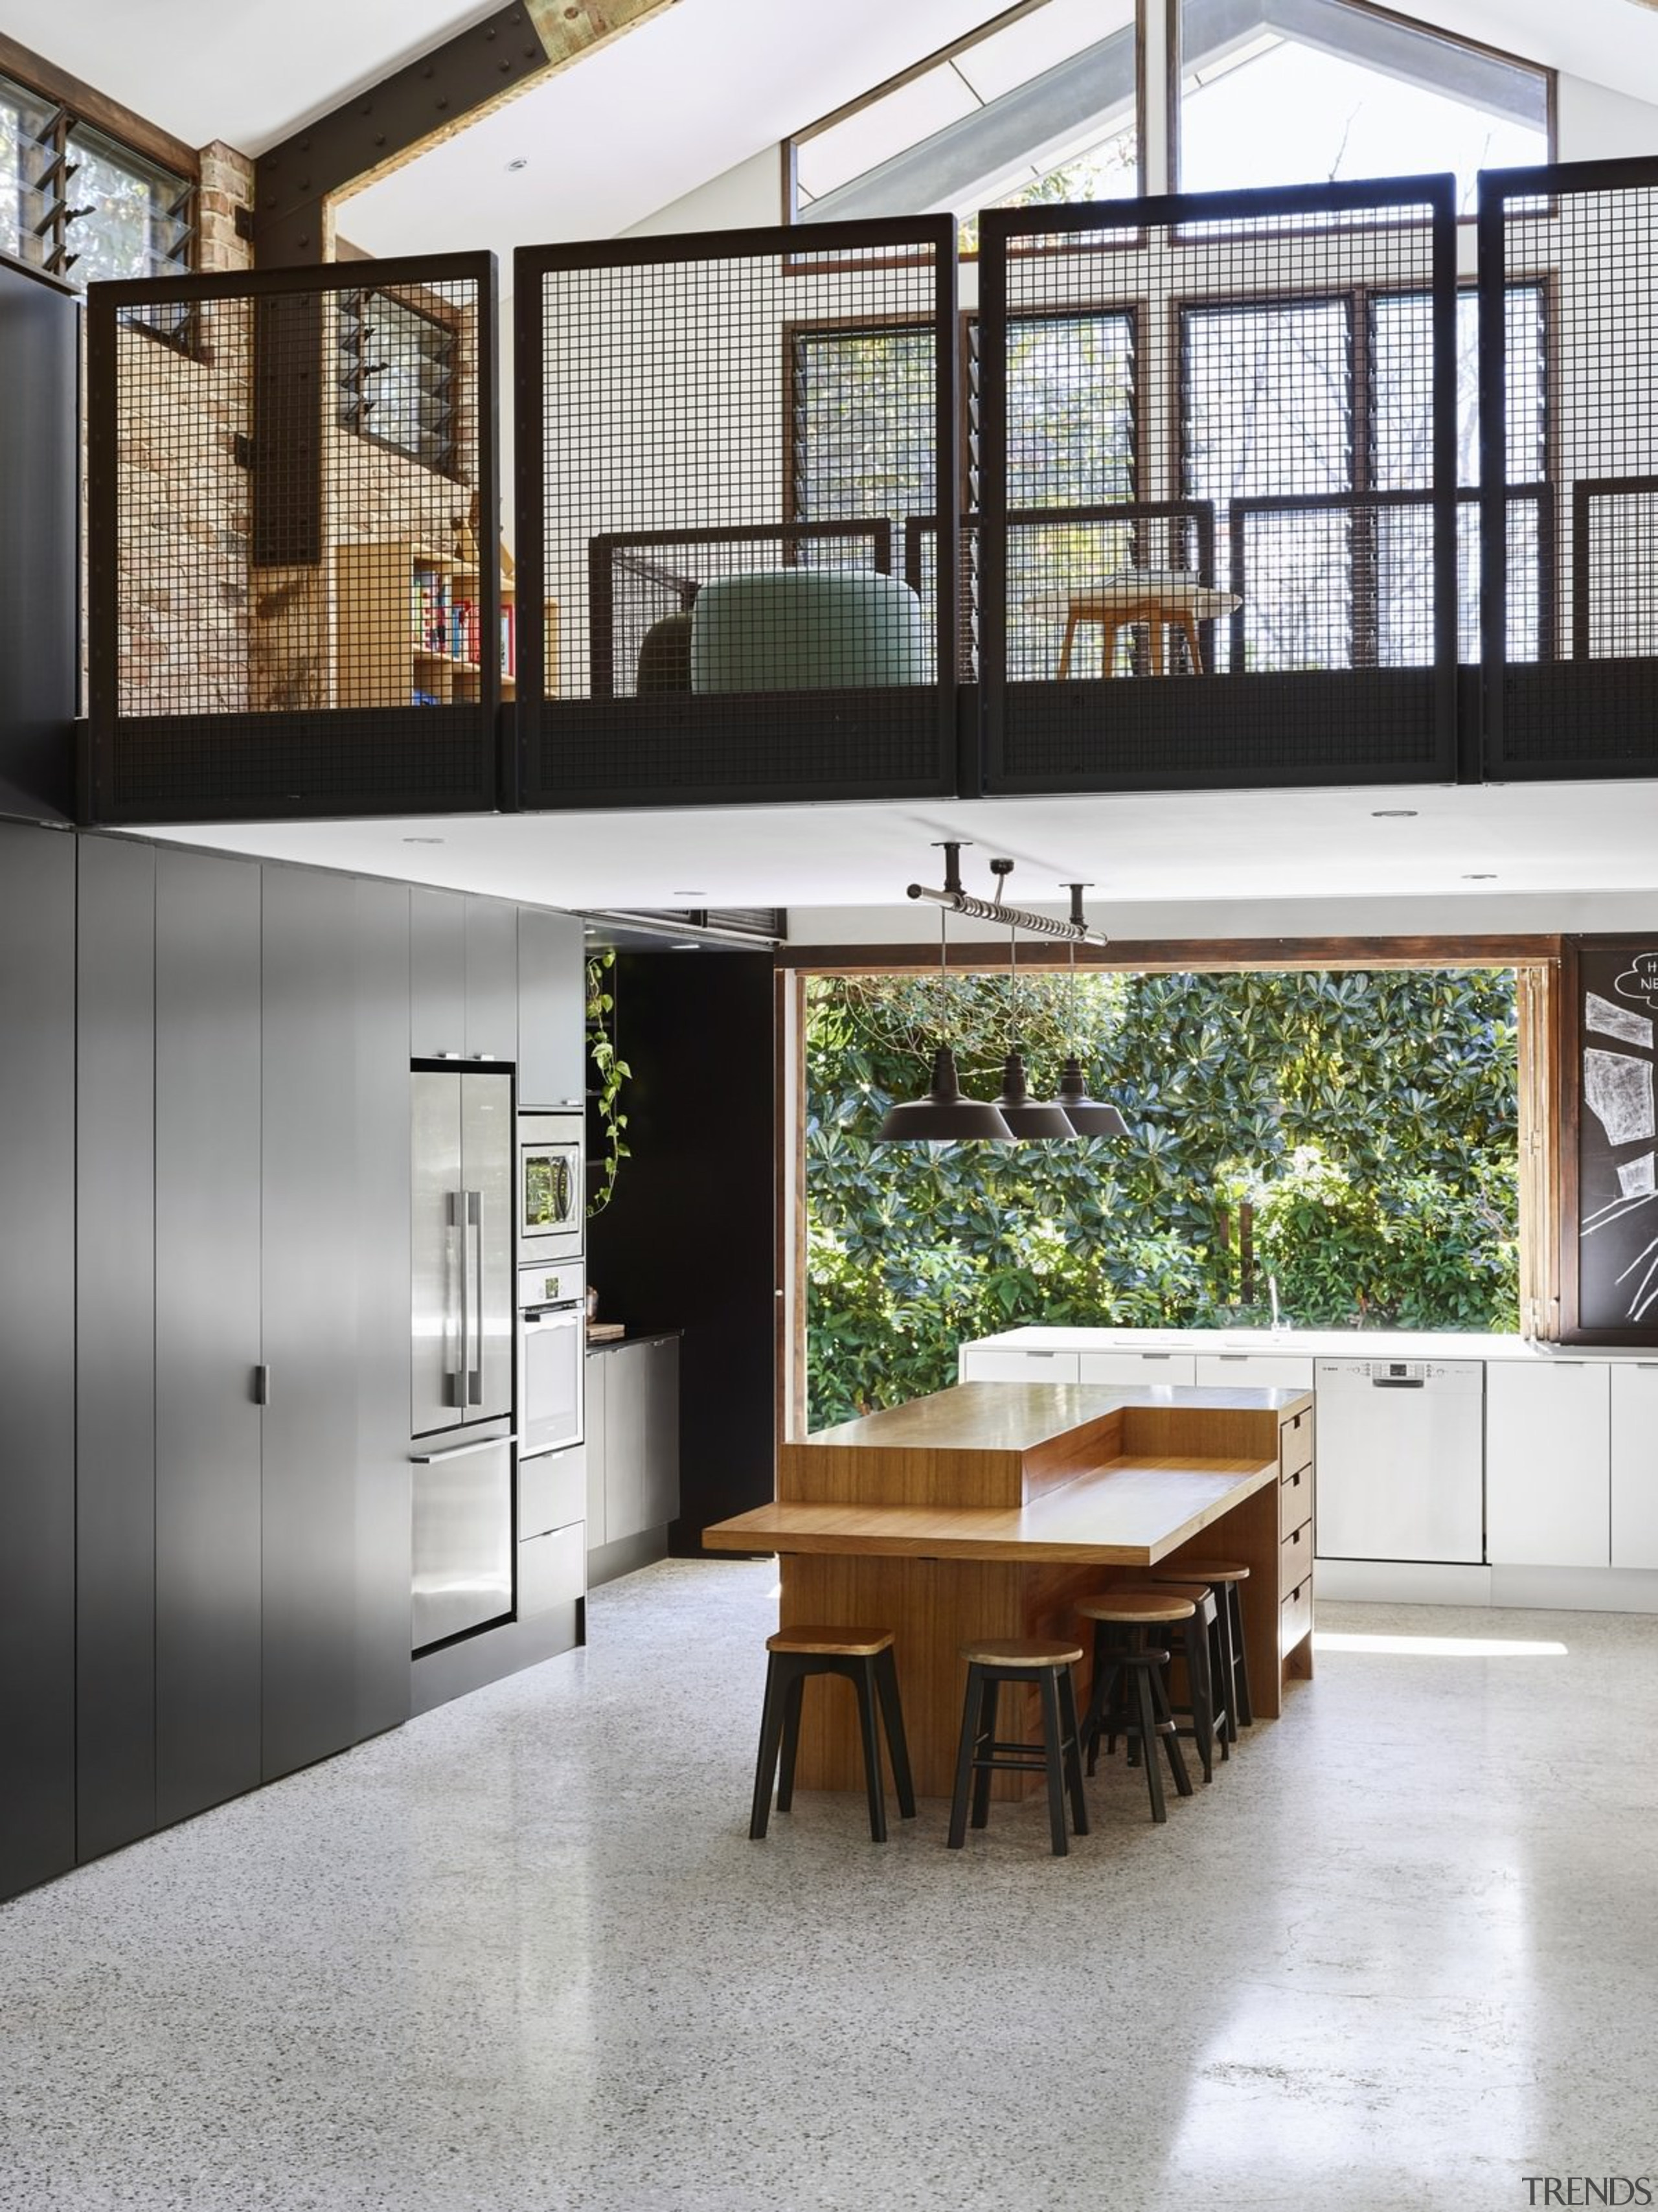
(455,1371)
(474,1249)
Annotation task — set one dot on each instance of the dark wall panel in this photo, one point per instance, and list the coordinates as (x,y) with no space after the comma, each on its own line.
(687,1242)
(115,1326)
(207,1331)
(37,1356)
(40,574)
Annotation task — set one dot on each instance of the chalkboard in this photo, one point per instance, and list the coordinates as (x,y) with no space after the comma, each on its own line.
(1610,1129)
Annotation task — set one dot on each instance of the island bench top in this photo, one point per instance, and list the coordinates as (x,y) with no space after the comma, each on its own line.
(1130,1514)
(1022,1417)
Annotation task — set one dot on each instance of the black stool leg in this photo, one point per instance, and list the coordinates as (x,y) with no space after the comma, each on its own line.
(1240,1654)
(863,1682)
(1170,1739)
(1054,1748)
(892,1712)
(1221,1712)
(771,1735)
(984,1745)
(1073,1751)
(1106,1670)
(1148,1733)
(1198,1692)
(793,1694)
(970,1705)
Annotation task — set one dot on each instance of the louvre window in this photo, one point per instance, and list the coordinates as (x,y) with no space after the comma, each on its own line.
(78,204)
(396,379)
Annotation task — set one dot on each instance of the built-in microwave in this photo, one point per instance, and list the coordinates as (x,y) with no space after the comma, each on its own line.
(552,1197)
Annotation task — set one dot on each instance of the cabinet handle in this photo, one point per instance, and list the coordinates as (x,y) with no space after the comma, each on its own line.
(262,1386)
(458,1451)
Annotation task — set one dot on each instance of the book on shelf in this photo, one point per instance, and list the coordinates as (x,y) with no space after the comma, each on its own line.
(509,641)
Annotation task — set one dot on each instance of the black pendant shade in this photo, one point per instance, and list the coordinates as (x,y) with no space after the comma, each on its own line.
(1028,1118)
(1086,1115)
(944,1116)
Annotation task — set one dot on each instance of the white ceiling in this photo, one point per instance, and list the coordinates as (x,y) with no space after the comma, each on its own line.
(1279,849)
(680,101)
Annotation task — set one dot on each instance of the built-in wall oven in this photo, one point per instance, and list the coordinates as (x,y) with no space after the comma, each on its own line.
(552,1197)
(552,1341)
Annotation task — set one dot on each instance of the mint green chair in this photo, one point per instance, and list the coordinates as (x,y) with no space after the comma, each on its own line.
(805,629)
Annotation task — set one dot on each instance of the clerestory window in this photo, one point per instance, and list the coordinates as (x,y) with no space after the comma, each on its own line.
(80,205)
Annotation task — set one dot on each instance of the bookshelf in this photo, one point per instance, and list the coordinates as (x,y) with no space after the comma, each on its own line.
(408,628)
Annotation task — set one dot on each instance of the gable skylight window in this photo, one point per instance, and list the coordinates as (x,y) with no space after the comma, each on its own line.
(1293,92)
(1040,106)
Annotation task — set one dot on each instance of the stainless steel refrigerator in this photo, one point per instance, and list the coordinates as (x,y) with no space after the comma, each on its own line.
(462,1399)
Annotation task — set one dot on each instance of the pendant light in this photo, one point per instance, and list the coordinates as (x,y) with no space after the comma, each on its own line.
(1030,1120)
(946,1115)
(1089,1117)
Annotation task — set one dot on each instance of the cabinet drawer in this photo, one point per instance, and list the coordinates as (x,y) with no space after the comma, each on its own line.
(552,1569)
(1140,1369)
(1295,1502)
(552,1491)
(1296,1617)
(1296,1558)
(1253,1371)
(1295,1441)
(987,1366)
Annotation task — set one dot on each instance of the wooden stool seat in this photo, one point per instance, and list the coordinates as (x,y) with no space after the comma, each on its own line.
(1134,1606)
(831,1643)
(1212,1571)
(1021,1651)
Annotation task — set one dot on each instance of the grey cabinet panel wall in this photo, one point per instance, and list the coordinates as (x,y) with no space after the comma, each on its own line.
(37,1353)
(596,1379)
(627,1444)
(335,1556)
(491,979)
(437,974)
(633,1439)
(207,1331)
(552,1044)
(382,1499)
(115,1324)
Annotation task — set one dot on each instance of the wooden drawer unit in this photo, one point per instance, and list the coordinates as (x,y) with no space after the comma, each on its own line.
(1295,1438)
(1295,1613)
(1295,1554)
(1295,1501)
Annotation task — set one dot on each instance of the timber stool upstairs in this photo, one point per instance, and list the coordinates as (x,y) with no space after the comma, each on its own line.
(990,1663)
(1125,1659)
(1226,1578)
(864,1657)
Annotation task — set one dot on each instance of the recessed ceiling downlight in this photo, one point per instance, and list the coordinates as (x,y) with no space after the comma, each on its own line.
(1393,814)
(422,841)
(521,162)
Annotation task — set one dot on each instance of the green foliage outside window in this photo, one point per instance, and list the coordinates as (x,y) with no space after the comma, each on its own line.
(1370,1119)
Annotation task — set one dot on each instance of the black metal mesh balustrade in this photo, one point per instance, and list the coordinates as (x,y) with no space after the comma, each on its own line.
(723,444)
(1217,511)
(1570,470)
(296,599)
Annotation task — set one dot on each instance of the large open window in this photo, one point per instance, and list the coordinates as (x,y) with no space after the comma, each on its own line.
(1289,92)
(1352,1137)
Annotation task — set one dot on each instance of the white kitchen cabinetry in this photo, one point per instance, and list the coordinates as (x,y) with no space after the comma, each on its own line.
(1547,1464)
(1253,1371)
(1635,1463)
(981,1364)
(1136,1369)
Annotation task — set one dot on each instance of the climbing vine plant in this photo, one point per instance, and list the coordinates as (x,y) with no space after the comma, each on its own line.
(1370,1120)
(608,1072)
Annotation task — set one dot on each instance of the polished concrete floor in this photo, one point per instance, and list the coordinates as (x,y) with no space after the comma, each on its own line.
(520,1955)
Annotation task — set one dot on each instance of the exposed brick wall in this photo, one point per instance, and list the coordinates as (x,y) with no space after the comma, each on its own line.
(227,184)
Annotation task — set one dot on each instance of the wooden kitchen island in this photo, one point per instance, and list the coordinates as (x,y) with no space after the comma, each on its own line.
(990,1508)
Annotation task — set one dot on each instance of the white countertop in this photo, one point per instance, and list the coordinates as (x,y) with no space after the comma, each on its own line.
(1306,1344)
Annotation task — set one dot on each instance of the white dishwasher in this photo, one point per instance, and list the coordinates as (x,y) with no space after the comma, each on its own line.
(1402,1460)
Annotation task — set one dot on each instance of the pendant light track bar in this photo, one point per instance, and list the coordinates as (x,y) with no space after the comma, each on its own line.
(1015,917)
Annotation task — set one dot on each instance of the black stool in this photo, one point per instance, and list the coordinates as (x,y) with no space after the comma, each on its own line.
(1226,1578)
(1019,1659)
(864,1657)
(1206,1668)
(1123,1655)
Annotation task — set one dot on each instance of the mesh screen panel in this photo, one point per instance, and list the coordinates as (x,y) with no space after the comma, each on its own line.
(730,503)
(1217,472)
(1571,670)
(297,598)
